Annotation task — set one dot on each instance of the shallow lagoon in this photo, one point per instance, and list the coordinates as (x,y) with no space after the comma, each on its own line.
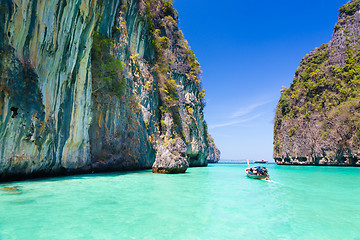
(217,202)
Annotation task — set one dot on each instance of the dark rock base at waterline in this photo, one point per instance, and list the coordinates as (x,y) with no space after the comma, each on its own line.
(322,165)
(169,171)
(319,163)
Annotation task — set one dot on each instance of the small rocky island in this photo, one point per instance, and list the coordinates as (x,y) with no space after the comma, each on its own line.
(92,86)
(317,119)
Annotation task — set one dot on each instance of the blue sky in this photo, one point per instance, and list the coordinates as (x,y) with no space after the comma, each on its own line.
(248,50)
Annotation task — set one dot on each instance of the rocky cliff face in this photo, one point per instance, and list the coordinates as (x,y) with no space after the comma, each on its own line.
(317,118)
(214,152)
(92,85)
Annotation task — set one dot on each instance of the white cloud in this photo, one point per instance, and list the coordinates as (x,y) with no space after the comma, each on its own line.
(246,110)
(242,115)
(235,122)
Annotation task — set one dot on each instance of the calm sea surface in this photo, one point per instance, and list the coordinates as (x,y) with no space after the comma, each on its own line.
(217,202)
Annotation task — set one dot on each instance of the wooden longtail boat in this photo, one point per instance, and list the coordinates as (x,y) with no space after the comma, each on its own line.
(253,173)
(257,172)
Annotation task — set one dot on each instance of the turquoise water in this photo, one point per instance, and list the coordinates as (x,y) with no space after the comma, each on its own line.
(217,202)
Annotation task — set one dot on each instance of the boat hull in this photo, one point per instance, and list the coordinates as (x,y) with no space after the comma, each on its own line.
(261,177)
(255,176)
(261,162)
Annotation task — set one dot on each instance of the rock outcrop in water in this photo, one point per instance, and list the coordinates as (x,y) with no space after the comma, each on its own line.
(317,118)
(170,157)
(92,85)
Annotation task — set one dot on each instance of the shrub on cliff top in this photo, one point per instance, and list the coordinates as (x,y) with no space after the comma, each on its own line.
(350,8)
(169,10)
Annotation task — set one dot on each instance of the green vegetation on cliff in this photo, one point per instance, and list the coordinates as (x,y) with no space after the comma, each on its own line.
(350,8)
(318,116)
(106,69)
(166,38)
(160,31)
(318,86)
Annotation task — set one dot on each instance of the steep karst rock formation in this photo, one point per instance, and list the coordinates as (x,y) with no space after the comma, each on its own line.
(317,119)
(96,85)
(214,152)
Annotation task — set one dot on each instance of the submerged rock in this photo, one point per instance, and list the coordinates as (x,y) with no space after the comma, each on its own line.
(170,157)
(11,190)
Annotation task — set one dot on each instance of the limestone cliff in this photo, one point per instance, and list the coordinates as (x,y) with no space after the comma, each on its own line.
(214,152)
(317,118)
(95,85)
